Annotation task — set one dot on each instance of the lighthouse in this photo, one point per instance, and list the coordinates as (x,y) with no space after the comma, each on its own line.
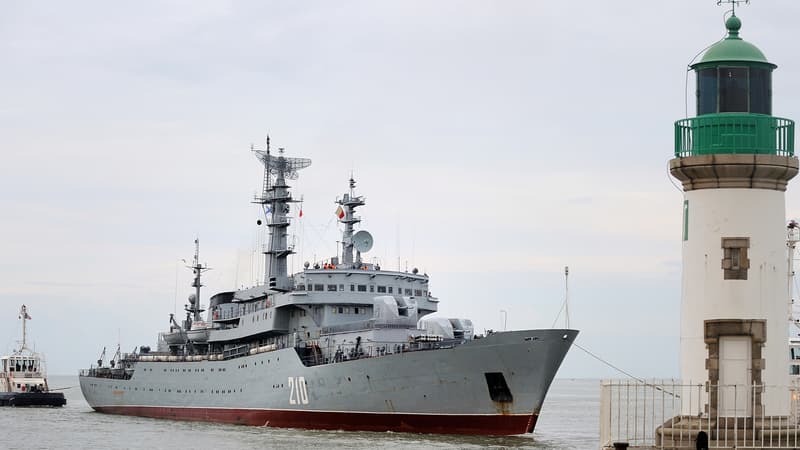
(734,160)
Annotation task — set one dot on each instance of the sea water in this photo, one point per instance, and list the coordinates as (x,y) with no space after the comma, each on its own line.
(569,420)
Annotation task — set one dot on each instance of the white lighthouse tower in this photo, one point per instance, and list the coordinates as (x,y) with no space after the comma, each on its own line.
(734,160)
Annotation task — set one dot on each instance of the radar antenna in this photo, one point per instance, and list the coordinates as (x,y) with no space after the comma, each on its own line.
(275,198)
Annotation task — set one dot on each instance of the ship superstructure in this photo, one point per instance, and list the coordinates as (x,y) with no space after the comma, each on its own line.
(342,344)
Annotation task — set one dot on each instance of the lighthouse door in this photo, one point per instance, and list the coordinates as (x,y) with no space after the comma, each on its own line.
(735,375)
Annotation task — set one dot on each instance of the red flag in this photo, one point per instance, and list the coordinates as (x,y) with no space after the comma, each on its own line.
(340,212)
(301,212)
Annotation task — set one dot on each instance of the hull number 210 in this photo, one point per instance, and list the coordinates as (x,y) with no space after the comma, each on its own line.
(298,391)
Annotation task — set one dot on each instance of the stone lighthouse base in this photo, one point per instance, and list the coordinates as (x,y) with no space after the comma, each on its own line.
(728,433)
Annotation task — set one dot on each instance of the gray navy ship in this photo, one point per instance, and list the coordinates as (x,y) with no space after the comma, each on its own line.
(343,344)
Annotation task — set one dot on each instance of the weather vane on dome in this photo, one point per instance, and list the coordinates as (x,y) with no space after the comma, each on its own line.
(734,4)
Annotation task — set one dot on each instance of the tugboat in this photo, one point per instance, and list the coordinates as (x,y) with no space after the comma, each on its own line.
(342,344)
(23,381)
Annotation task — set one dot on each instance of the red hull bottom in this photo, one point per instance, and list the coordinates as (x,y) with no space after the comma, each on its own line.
(349,421)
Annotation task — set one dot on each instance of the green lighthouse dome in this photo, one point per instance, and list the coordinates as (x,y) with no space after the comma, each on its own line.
(733,49)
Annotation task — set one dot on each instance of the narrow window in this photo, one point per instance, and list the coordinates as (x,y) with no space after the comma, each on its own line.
(686,220)
(734,258)
(390,289)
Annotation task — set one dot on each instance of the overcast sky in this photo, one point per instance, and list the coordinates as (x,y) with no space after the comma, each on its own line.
(495,142)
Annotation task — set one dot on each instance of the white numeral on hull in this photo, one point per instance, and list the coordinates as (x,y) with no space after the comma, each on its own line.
(298,392)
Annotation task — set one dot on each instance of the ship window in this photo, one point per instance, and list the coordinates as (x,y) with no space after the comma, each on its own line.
(381,289)
(362,288)
(408,291)
(356,310)
(352,287)
(418,292)
(319,287)
(341,287)
(390,289)
(795,370)
(301,287)
(341,310)
(498,388)
(332,288)
(372,288)
(734,260)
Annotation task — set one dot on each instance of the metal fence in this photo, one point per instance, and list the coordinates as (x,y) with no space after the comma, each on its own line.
(669,414)
(734,133)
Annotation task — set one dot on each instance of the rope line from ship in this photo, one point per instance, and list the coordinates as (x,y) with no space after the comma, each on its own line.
(628,374)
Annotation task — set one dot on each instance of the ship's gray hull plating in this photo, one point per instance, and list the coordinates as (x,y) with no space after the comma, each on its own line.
(424,391)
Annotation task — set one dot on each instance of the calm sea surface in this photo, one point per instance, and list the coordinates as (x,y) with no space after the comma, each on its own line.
(569,420)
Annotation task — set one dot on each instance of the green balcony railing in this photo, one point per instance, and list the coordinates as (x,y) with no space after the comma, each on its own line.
(734,133)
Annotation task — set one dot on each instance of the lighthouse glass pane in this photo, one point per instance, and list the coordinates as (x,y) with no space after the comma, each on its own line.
(733,87)
(760,91)
(706,91)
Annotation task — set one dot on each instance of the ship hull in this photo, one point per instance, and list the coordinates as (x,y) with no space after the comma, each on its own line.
(434,391)
(32,399)
(491,424)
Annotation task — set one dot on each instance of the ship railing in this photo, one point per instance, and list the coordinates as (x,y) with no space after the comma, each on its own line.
(314,356)
(369,325)
(236,352)
(238,310)
(106,372)
(667,414)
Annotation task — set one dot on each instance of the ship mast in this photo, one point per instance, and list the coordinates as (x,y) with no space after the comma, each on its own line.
(197,269)
(275,199)
(348,217)
(23,314)
(792,238)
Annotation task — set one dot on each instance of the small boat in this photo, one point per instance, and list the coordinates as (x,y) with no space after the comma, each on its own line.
(23,381)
